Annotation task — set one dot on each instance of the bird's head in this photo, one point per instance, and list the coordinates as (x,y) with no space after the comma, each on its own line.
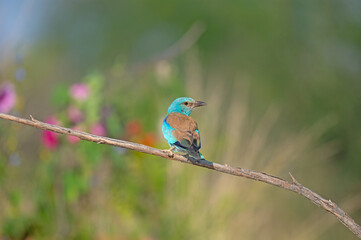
(184,105)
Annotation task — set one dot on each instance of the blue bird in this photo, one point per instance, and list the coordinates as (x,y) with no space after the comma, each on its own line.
(180,130)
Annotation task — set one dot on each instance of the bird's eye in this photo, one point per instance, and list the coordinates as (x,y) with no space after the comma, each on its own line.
(186,103)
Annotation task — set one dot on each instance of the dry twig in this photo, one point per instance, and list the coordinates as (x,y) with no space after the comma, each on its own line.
(293,186)
(183,44)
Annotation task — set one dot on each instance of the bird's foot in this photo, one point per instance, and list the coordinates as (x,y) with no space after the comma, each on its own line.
(169,151)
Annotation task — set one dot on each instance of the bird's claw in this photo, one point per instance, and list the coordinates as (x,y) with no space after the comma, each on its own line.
(170,154)
(169,151)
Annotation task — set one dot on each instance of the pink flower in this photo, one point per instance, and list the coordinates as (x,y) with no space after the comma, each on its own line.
(79,91)
(73,139)
(50,139)
(7,97)
(74,114)
(98,129)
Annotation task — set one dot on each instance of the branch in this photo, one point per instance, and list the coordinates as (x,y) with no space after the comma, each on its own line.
(293,186)
(183,44)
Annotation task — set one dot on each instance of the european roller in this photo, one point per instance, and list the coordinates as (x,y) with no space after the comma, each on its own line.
(180,130)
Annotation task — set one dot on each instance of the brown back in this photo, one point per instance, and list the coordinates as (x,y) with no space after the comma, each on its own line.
(184,130)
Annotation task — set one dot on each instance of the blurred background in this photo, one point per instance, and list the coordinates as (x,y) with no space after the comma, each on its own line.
(282,83)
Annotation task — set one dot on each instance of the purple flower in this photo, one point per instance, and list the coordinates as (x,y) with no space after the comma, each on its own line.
(98,129)
(20,74)
(15,159)
(50,139)
(79,91)
(7,97)
(74,114)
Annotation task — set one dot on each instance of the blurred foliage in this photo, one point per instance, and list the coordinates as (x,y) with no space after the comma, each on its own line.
(282,82)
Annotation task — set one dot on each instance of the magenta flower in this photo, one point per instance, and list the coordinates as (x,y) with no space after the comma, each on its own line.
(73,139)
(74,114)
(79,91)
(7,97)
(50,139)
(98,129)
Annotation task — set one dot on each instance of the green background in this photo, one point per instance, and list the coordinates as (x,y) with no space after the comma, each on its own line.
(282,83)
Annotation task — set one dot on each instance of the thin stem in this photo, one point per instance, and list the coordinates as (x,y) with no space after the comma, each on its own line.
(293,186)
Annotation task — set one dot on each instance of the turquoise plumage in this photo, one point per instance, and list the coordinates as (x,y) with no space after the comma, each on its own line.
(180,130)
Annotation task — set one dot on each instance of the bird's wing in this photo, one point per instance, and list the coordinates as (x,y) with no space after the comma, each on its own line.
(185,131)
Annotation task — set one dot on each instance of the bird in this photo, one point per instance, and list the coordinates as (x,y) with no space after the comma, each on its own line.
(180,130)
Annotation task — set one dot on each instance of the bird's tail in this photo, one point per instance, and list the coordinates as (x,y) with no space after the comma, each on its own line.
(193,153)
(196,155)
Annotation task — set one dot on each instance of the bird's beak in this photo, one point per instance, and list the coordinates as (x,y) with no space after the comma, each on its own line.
(199,104)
